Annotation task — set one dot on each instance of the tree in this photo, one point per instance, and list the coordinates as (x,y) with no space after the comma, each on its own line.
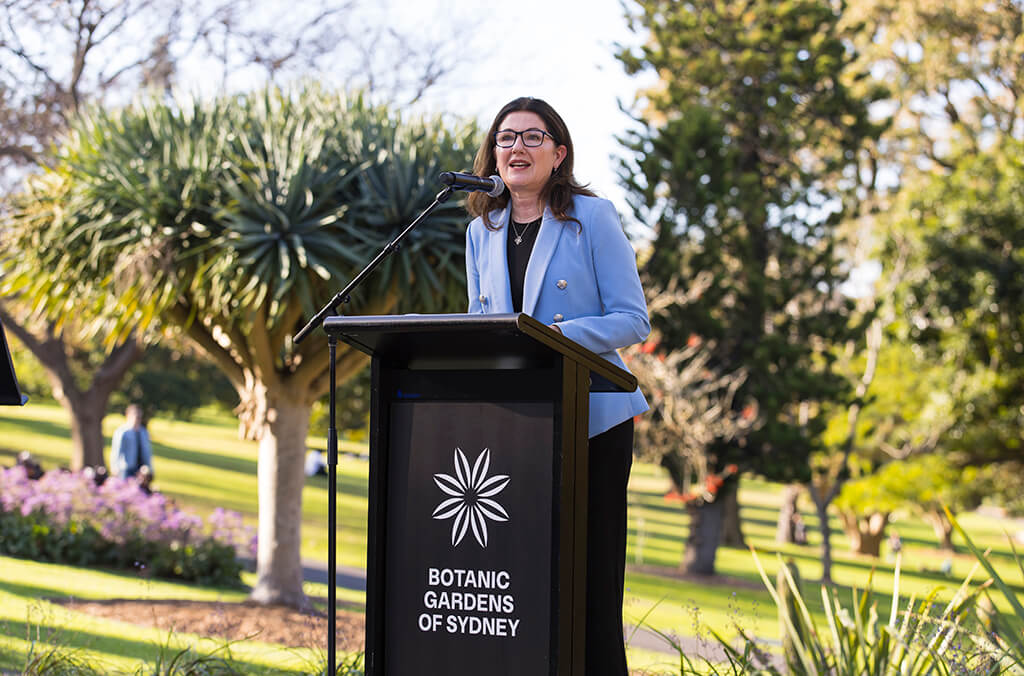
(954,71)
(754,145)
(82,378)
(691,408)
(62,336)
(173,379)
(929,485)
(234,220)
(829,467)
(965,303)
(958,77)
(60,55)
(57,57)
(864,509)
(926,485)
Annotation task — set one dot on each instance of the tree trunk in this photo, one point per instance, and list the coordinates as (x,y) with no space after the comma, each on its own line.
(86,408)
(942,528)
(280,473)
(87,413)
(732,531)
(705,534)
(821,503)
(866,534)
(674,466)
(785,530)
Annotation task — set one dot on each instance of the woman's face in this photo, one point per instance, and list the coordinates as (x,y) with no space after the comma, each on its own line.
(526,170)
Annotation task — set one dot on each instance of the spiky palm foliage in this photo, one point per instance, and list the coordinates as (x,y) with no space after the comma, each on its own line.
(235,219)
(59,317)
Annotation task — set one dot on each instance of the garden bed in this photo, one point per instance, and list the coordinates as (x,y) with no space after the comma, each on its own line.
(231,621)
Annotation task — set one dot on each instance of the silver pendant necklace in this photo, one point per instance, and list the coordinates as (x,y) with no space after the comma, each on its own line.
(518,239)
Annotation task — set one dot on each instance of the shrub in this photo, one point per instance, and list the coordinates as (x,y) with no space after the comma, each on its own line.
(963,636)
(65,517)
(1004,640)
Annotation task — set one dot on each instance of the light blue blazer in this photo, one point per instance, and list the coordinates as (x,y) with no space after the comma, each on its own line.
(582,279)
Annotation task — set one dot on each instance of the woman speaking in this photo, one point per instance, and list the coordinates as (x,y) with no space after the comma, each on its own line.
(549,247)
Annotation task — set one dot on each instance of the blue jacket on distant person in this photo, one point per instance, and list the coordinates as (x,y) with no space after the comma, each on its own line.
(130,448)
(601,311)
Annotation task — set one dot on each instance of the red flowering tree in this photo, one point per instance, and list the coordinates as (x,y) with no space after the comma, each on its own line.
(692,406)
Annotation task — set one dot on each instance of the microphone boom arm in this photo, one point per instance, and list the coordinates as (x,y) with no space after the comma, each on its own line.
(392,246)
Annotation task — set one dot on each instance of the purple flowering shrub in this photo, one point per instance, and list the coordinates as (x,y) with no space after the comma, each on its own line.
(65,517)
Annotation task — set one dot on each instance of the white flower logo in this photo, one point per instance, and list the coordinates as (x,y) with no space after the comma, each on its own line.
(471,492)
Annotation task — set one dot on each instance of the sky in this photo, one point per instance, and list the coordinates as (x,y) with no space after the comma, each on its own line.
(561,51)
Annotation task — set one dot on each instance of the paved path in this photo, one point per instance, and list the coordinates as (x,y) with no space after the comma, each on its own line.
(349,577)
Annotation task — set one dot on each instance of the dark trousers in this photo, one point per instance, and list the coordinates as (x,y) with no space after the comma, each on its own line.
(611,456)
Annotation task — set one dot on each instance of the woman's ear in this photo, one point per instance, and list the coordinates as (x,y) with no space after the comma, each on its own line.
(560,154)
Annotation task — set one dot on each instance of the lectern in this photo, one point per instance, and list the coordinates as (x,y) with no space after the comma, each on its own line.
(477,538)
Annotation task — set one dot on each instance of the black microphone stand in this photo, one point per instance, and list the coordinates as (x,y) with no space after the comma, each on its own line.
(328,310)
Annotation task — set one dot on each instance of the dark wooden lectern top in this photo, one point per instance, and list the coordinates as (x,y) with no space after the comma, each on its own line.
(436,341)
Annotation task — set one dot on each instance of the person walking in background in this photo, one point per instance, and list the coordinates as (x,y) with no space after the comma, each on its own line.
(130,449)
(551,248)
(895,544)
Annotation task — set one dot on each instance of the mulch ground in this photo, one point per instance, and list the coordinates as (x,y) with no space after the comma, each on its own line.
(232,621)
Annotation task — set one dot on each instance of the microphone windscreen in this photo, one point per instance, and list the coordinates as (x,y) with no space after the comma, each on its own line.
(499,186)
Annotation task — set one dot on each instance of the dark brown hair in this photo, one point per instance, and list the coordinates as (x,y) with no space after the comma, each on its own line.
(562,185)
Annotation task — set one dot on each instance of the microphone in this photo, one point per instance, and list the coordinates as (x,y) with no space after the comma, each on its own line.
(492,185)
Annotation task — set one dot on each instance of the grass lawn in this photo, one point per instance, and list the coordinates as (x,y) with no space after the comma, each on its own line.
(203,465)
(27,617)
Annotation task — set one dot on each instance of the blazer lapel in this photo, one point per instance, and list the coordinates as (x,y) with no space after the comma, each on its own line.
(497,253)
(543,249)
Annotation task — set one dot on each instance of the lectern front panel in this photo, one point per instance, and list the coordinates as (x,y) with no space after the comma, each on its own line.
(469,532)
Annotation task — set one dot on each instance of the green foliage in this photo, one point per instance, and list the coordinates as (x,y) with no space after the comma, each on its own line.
(917,639)
(920,639)
(866,496)
(66,518)
(953,236)
(242,212)
(173,381)
(35,536)
(955,71)
(908,407)
(49,660)
(923,484)
(262,203)
(1002,484)
(745,164)
(1006,641)
(352,410)
(963,303)
(189,662)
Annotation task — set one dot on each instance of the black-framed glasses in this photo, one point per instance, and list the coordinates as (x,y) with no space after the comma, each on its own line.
(532,138)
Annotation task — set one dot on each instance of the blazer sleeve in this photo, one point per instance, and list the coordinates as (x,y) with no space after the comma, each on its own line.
(472,273)
(624,319)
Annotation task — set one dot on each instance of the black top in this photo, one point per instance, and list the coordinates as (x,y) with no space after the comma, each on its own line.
(519,257)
